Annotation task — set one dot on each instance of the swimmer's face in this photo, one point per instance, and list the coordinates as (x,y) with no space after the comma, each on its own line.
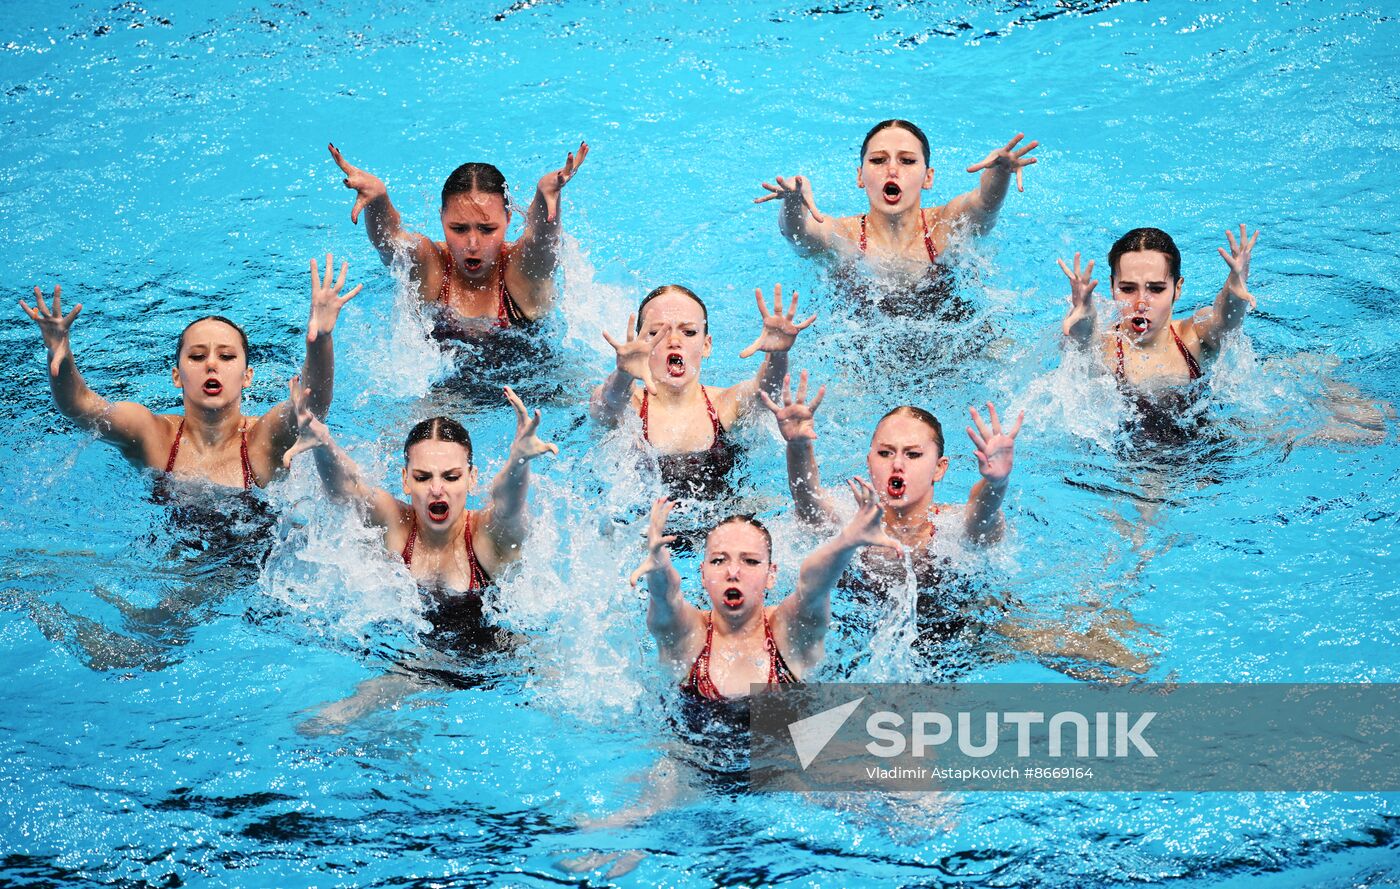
(474,227)
(893,171)
(1145,292)
(905,462)
(737,569)
(213,368)
(437,477)
(676,357)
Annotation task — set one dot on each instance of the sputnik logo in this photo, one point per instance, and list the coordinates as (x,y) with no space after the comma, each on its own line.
(811,735)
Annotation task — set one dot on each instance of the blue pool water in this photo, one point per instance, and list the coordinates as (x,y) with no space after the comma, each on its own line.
(162,162)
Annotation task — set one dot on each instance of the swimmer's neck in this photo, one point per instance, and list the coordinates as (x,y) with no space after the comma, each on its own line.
(895,231)
(205,428)
(907,524)
(437,540)
(680,395)
(729,625)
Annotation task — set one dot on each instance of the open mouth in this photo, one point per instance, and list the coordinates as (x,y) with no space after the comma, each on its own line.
(437,510)
(675,365)
(1139,324)
(892,192)
(472,264)
(733,597)
(213,387)
(895,487)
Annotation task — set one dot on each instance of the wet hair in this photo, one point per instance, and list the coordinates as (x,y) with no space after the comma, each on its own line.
(896,123)
(475,177)
(439,429)
(679,288)
(922,416)
(744,518)
(1141,240)
(242,337)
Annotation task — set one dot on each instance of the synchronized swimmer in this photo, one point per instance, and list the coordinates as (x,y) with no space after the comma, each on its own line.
(480,283)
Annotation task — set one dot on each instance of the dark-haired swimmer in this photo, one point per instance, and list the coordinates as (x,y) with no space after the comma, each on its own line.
(686,422)
(894,171)
(450,550)
(905,461)
(1146,349)
(477,279)
(742,641)
(211,440)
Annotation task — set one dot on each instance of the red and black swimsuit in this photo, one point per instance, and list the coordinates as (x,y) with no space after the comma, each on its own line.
(248,478)
(701,475)
(458,618)
(698,683)
(508,313)
(928,238)
(1193,367)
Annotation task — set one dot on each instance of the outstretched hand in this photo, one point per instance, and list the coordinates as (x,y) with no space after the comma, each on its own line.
(1238,261)
(527,445)
(1081,290)
(368,187)
(798,188)
(867,526)
(53,324)
(311,431)
(634,353)
(326,301)
(796,417)
(1009,159)
(779,330)
(996,450)
(551,183)
(658,556)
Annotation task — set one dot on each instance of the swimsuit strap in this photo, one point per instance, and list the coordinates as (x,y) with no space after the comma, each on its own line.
(698,679)
(407,553)
(778,671)
(506,308)
(243,455)
(477,579)
(1193,367)
(248,477)
(709,408)
(928,237)
(175,448)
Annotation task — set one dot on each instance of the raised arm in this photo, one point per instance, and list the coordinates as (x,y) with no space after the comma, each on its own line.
(996,451)
(1234,300)
(506,521)
(805,614)
(1082,318)
(318,370)
(125,424)
(670,619)
(382,221)
(538,247)
(342,478)
(981,205)
(613,399)
(797,425)
(808,230)
(775,340)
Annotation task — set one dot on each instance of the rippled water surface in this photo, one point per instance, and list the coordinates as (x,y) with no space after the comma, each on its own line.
(164,679)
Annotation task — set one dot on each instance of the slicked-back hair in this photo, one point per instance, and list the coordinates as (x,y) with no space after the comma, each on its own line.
(922,416)
(896,123)
(744,518)
(242,337)
(439,429)
(475,177)
(678,288)
(1141,240)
